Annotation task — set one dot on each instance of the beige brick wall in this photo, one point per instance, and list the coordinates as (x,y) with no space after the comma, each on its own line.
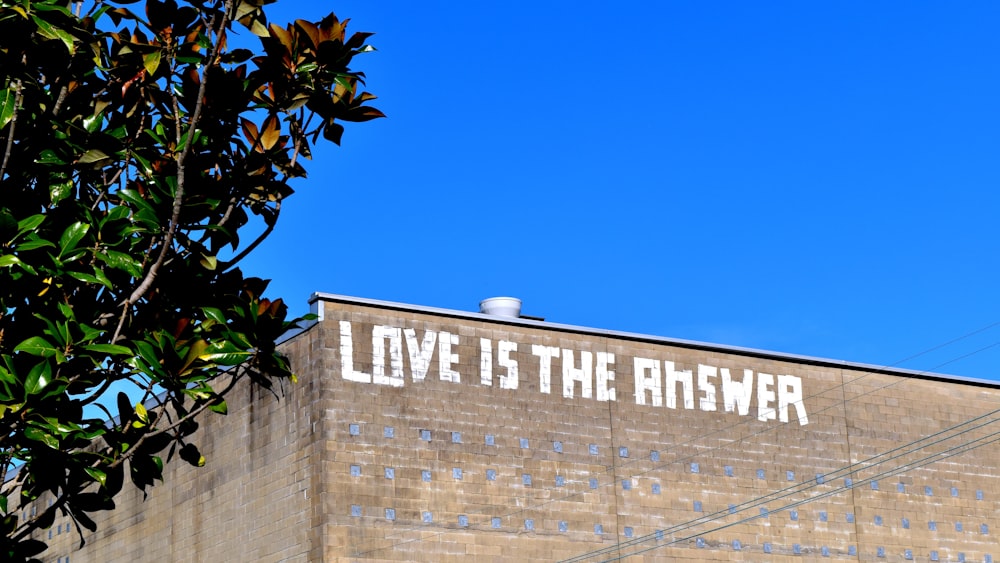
(279,485)
(253,501)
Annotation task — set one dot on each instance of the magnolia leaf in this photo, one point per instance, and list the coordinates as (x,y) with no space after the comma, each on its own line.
(214,314)
(92,156)
(86,278)
(36,346)
(91,191)
(190,454)
(98,475)
(121,261)
(209,262)
(93,122)
(50,31)
(226,358)
(140,411)
(249,130)
(112,349)
(333,132)
(48,156)
(196,350)
(9,260)
(362,113)
(71,236)
(8,101)
(282,35)
(124,406)
(220,407)
(60,190)
(33,244)
(29,223)
(38,378)
(252,17)
(151,61)
(39,435)
(270,132)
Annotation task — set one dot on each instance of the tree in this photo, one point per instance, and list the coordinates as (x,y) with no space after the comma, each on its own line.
(142,159)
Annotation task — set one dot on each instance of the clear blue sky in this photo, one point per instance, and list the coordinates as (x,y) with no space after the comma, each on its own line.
(816,178)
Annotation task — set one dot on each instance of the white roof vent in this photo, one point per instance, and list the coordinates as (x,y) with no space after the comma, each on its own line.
(501,307)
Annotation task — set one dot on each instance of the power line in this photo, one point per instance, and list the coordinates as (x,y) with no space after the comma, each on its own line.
(956,450)
(726,429)
(804,486)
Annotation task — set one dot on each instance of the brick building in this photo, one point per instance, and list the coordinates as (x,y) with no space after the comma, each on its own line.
(421,434)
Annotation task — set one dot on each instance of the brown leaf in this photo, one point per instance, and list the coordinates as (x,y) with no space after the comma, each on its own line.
(363,113)
(282,35)
(270,133)
(331,28)
(310,30)
(250,131)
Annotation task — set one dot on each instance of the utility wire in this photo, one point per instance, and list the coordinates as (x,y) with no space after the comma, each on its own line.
(852,469)
(746,420)
(956,450)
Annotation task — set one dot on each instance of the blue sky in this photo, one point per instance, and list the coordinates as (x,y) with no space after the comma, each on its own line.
(816,178)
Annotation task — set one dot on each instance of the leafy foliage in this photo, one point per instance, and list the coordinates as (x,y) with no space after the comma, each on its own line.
(138,150)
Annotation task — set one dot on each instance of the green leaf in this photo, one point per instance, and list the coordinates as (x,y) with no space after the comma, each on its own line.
(71,236)
(100,275)
(92,156)
(66,310)
(5,375)
(195,351)
(151,62)
(39,435)
(147,352)
(121,261)
(98,475)
(8,100)
(220,407)
(140,411)
(48,156)
(59,427)
(93,122)
(214,314)
(209,262)
(50,31)
(29,223)
(34,243)
(89,333)
(36,346)
(60,190)
(38,378)
(113,349)
(9,260)
(86,278)
(226,358)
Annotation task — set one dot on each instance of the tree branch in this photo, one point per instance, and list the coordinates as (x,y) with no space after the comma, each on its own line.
(168,240)
(10,134)
(267,232)
(190,415)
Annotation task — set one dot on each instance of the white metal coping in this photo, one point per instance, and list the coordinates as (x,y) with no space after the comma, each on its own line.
(315,298)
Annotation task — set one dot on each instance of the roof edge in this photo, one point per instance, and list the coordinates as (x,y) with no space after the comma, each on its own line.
(634,336)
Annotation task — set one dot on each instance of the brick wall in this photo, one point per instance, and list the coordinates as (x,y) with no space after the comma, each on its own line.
(413,467)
